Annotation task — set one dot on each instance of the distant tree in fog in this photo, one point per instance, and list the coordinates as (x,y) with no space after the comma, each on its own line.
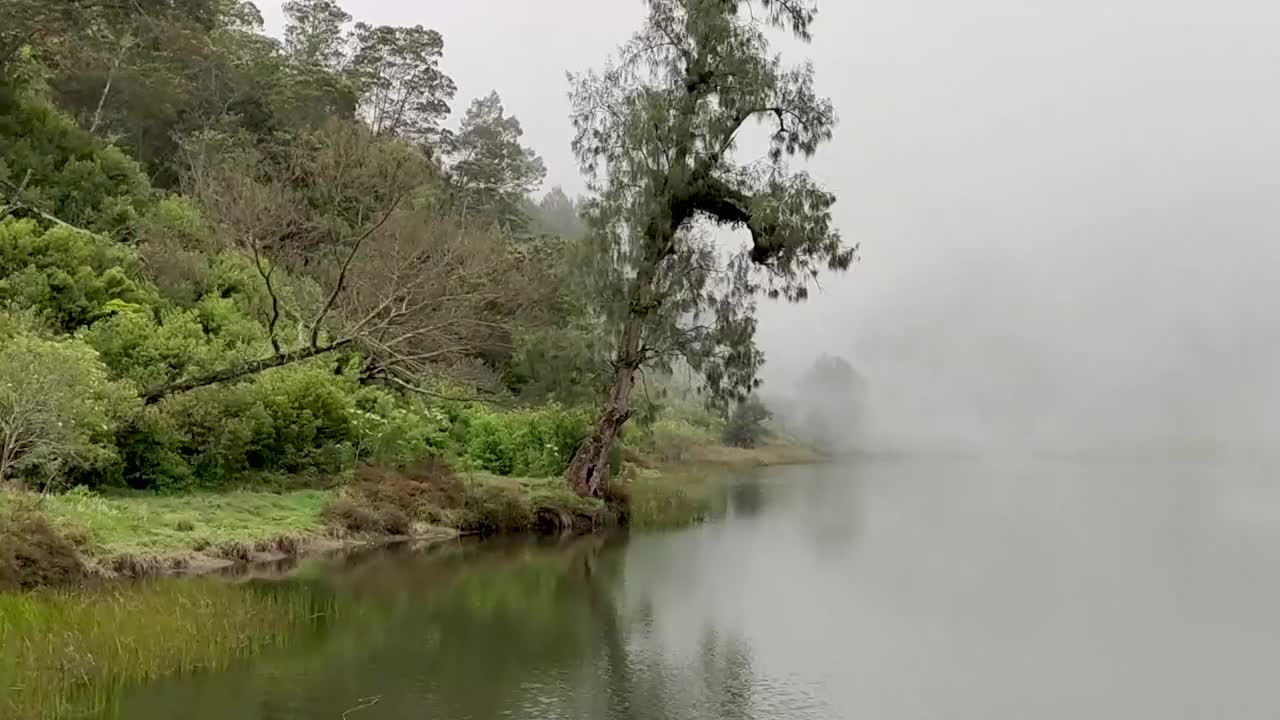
(832,395)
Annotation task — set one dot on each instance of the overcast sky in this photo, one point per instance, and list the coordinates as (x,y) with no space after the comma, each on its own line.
(1068,209)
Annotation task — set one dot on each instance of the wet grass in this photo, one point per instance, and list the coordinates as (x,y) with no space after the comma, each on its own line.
(70,654)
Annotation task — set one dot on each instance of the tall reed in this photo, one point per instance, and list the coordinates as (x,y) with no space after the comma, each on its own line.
(70,654)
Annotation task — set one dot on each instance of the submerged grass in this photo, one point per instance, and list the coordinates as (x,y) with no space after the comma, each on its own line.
(69,654)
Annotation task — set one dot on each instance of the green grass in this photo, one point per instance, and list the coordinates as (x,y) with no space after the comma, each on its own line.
(165,527)
(514,504)
(665,499)
(70,654)
(665,494)
(160,525)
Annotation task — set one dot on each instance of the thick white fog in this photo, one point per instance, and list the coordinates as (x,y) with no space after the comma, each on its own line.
(1068,211)
(1069,219)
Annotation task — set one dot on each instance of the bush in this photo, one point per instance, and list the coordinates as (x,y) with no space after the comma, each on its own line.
(353,517)
(745,427)
(34,555)
(154,348)
(71,277)
(529,443)
(57,407)
(291,420)
(65,171)
(396,432)
(497,508)
(387,502)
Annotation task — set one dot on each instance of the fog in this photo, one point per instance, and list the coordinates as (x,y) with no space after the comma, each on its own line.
(1067,210)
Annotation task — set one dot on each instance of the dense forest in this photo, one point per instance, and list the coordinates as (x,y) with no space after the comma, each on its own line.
(228,258)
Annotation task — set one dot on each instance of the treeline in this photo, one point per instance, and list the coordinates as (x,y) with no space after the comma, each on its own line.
(225,257)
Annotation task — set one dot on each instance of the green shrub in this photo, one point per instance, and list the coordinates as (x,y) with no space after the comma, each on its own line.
(529,443)
(70,277)
(395,432)
(152,348)
(58,409)
(291,420)
(151,455)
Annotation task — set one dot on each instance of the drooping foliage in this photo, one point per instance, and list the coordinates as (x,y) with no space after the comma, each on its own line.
(656,131)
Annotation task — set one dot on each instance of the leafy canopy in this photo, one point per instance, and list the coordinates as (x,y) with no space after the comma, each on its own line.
(656,132)
(492,171)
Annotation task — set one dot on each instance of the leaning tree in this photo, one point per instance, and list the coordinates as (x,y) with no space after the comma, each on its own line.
(656,134)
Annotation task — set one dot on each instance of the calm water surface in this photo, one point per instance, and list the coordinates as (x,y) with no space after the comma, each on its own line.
(878,590)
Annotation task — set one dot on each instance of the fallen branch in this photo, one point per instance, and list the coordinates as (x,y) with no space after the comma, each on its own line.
(159,392)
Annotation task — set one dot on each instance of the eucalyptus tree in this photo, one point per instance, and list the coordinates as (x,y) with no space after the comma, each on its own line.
(656,133)
(315,34)
(403,91)
(493,173)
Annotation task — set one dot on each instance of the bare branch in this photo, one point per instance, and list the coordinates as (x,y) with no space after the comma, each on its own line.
(159,392)
(340,283)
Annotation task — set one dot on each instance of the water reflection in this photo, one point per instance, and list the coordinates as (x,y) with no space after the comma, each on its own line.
(472,631)
(920,589)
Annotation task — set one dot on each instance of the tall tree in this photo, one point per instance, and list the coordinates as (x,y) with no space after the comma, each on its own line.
(492,171)
(403,91)
(656,132)
(315,35)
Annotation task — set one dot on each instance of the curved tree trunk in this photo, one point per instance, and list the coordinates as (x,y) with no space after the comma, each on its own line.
(589,469)
(590,466)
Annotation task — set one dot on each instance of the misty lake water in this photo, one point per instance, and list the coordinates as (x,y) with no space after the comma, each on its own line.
(882,590)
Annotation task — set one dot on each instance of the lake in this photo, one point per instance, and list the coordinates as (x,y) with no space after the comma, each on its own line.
(886,590)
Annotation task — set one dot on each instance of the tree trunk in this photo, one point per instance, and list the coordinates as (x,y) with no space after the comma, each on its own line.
(587,473)
(589,469)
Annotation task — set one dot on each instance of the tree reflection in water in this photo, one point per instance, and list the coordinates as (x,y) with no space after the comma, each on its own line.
(479,630)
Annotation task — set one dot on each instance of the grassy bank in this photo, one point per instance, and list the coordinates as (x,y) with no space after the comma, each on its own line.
(136,534)
(672,494)
(71,653)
